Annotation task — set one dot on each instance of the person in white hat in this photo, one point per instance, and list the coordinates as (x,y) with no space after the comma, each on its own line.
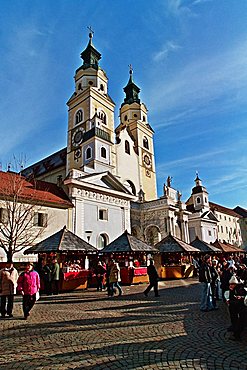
(233,280)
(237,309)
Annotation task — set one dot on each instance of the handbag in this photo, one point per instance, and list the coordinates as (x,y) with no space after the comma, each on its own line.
(37,296)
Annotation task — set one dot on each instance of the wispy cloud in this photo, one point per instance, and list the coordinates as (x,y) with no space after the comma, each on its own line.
(228,183)
(168,48)
(201,84)
(179,8)
(196,2)
(25,79)
(188,162)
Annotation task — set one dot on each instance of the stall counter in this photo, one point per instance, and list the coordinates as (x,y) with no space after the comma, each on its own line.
(134,275)
(172,272)
(74,280)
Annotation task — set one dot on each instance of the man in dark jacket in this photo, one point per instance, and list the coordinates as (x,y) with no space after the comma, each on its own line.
(237,309)
(55,274)
(153,279)
(205,278)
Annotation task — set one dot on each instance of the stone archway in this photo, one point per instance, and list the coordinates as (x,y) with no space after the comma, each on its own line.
(136,232)
(152,235)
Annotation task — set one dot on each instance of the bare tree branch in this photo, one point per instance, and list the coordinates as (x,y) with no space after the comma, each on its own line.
(18,208)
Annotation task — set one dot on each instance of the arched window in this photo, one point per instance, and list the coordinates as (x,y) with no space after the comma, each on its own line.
(145,143)
(103,152)
(88,153)
(102,115)
(102,241)
(79,117)
(127,147)
(152,235)
(198,200)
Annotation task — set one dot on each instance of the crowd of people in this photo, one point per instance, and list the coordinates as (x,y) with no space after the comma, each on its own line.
(27,283)
(221,279)
(108,277)
(49,272)
(225,280)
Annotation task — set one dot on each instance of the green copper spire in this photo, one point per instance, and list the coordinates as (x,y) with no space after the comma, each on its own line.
(131,90)
(90,55)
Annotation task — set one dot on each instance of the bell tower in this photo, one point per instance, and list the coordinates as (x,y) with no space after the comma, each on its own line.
(134,119)
(90,141)
(200,196)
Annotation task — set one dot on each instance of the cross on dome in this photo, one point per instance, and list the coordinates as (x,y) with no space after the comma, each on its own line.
(131,69)
(91,32)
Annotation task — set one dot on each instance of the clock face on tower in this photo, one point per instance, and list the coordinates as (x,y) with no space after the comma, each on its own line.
(147,160)
(77,137)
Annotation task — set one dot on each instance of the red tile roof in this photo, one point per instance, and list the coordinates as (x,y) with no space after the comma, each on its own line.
(36,191)
(219,208)
(226,247)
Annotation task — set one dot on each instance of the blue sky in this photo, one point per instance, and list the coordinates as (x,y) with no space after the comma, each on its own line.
(189,59)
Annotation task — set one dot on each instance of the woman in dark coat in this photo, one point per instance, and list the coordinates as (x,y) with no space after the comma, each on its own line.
(100,272)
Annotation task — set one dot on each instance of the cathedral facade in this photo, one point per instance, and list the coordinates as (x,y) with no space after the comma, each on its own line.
(108,169)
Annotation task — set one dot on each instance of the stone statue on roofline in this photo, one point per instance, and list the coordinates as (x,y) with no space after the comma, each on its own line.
(165,190)
(141,196)
(169,181)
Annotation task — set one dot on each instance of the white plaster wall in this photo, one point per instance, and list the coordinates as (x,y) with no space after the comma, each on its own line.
(231,223)
(127,164)
(114,226)
(196,224)
(206,230)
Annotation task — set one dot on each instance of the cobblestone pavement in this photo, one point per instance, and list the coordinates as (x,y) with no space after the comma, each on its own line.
(88,330)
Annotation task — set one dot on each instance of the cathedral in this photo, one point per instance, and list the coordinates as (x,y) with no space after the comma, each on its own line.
(108,168)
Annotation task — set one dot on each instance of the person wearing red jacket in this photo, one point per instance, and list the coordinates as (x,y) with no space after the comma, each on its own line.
(28,285)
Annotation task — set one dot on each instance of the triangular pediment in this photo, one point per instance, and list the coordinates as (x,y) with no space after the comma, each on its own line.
(209,216)
(104,180)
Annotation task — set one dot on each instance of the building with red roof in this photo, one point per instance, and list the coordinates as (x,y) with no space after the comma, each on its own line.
(42,206)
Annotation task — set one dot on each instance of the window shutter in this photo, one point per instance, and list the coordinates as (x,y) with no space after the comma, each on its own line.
(36,219)
(45,219)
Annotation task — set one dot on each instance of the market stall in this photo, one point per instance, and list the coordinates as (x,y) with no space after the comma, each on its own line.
(132,255)
(227,248)
(73,254)
(205,248)
(174,260)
